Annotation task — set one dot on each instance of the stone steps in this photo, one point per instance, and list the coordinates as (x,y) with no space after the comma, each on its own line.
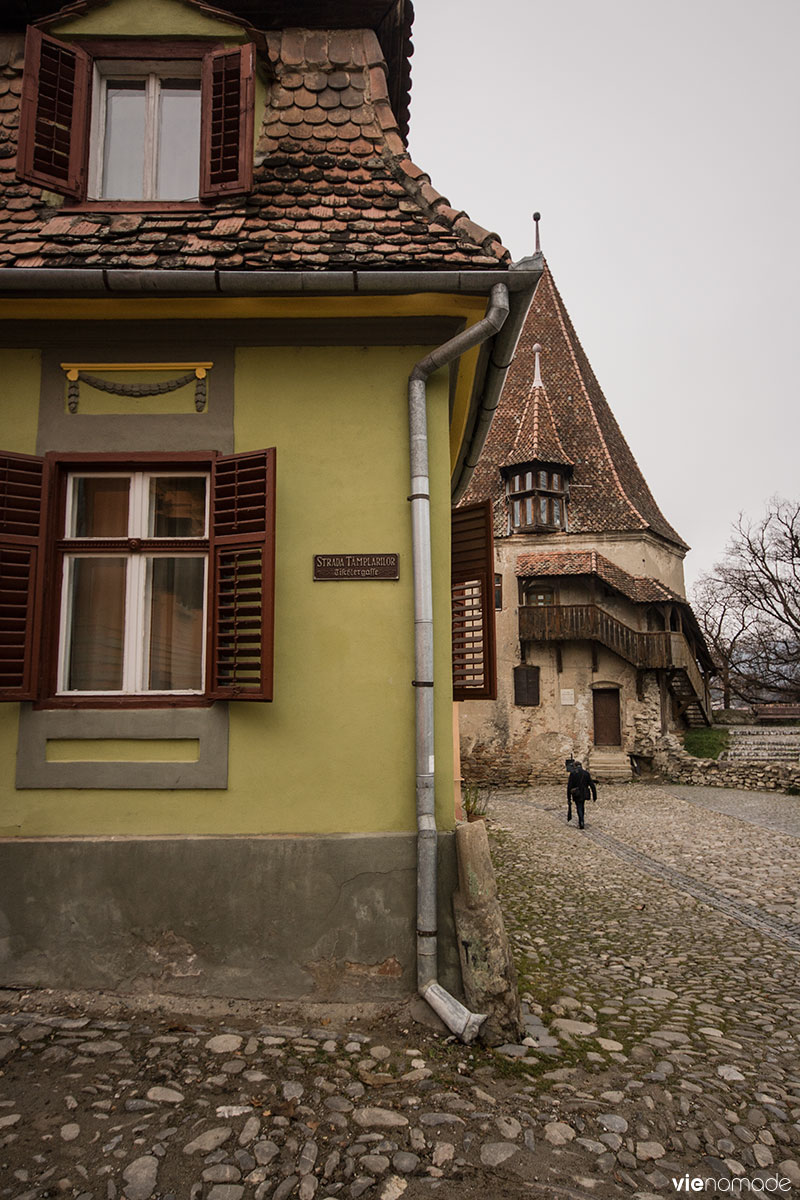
(609,764)
(755,744)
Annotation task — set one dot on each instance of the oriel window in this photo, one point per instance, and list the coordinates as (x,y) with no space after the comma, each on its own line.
(537,500)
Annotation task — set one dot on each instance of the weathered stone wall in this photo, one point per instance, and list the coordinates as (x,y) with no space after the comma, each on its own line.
(646,717)
(506,746)
(676,766)
(512,746)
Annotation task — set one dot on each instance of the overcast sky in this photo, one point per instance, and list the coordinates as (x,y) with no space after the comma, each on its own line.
(660,143)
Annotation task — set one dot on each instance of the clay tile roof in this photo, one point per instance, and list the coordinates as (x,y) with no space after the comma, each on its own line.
(391,19)
(537,436)
(642,589)
(334,187)
(608,492)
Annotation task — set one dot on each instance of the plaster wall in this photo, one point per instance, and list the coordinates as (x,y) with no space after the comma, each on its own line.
(147,18)
(334,752)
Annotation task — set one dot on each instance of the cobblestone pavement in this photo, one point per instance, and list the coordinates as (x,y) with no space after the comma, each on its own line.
(659,957)
(769,809)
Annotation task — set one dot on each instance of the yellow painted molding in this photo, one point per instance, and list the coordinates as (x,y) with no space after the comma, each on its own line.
(471,308)
(139,366)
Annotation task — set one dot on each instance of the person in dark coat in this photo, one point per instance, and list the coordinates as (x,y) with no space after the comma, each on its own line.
(580,786)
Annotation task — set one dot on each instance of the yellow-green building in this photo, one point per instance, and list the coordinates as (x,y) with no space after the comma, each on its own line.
(249,356)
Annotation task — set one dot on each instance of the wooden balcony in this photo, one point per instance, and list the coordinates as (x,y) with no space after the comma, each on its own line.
(665,651)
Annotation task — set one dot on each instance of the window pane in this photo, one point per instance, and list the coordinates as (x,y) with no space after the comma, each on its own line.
(516,512)
(179,140)
(542,511)
(123,154)
(543,479)
(556,512)
(556,482)
(529,511)
(529,480)
(100,507)
(96,625)
(177,586)
(177,506)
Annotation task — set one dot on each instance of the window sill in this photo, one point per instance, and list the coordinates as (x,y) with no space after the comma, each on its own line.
(122,702)
(538,529)
(137,206)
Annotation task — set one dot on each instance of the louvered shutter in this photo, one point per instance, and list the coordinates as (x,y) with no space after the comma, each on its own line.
(54,115)
(21,526)
(242,577)
(228,88)
(474,658)
(526,685)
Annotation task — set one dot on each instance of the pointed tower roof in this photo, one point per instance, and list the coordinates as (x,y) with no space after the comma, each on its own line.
(537,436)
(568,410)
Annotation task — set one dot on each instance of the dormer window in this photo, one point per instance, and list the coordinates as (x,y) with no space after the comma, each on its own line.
(536,498)
(165,129)
(145,142)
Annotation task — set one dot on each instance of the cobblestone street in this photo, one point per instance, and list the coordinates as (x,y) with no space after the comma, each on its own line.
(659,958)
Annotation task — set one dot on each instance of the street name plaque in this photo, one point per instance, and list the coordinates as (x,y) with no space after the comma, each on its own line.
(356,566)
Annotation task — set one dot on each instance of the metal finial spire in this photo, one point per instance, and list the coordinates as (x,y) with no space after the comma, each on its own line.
(536,219)
(537,374)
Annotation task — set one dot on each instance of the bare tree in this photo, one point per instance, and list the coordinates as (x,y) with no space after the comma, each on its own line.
(749,607)
(725,624)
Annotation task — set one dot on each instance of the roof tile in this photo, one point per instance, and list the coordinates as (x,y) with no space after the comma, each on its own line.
(608,492)
(642,589)
(330,165)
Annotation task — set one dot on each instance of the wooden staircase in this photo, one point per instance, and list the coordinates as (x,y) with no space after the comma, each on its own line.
(669,652)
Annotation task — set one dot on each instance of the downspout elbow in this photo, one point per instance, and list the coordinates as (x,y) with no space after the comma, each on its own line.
(490,323)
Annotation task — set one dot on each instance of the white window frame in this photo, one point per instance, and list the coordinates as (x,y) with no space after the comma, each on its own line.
(151,71)
(138,581)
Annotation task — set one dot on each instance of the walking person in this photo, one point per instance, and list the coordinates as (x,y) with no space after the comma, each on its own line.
(580,786)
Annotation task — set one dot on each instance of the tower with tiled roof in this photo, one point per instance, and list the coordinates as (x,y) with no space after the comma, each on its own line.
(598,652)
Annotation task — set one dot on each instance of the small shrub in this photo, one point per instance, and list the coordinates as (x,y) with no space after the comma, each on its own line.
(475,801)
(706,743)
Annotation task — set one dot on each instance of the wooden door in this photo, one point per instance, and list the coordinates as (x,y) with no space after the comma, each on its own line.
(607,730)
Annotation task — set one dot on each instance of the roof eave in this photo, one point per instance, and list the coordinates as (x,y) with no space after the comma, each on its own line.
(40,282)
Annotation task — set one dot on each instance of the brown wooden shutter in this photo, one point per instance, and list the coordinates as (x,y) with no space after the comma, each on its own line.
(228,87)
(526,685)
(474,656)
(242,564)
(21,526)
(54,117)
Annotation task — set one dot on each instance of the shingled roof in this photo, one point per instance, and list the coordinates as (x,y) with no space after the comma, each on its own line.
(391,20)
(608,493)
(537,436)
(642,589)
(334,187)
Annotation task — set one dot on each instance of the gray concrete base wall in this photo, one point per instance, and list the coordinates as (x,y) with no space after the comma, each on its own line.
(319,918)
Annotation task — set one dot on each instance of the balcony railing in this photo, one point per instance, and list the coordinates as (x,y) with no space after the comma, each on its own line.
(588,622)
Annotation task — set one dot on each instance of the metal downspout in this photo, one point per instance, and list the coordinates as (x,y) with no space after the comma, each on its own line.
(458,1019)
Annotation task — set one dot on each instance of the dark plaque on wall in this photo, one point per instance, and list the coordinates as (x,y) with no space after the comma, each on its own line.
(356,566)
